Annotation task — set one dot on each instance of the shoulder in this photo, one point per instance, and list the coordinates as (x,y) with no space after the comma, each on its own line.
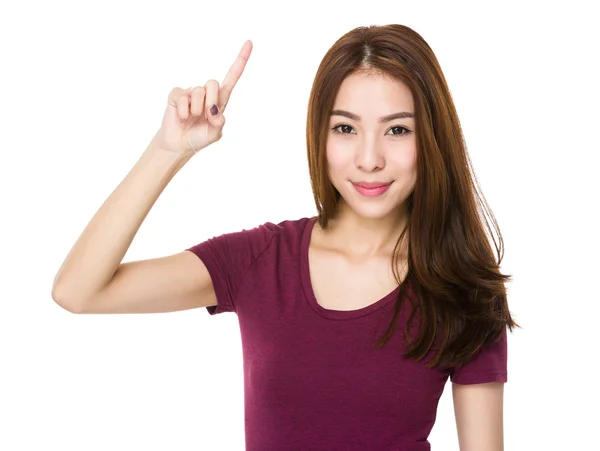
(279,239)
(290,226)
(259,237)
(267,230)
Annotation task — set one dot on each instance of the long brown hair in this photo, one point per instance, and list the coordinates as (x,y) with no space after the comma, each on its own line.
(460,292)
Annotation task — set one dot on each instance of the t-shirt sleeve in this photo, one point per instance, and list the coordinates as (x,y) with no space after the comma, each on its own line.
(488,365)
(228,258)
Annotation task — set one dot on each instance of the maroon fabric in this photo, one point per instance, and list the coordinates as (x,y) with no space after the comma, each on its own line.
(312,378)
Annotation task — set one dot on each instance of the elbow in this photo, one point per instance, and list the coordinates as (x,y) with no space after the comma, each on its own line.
(64,300)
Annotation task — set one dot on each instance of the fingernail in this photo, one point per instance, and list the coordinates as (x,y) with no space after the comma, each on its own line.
(214,110)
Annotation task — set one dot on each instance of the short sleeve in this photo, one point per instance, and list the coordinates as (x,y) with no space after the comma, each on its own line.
(488,365)
(228,258)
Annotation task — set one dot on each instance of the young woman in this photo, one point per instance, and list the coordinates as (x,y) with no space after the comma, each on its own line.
(351,321)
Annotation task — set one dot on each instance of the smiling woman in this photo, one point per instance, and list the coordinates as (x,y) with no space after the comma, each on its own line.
(351,321)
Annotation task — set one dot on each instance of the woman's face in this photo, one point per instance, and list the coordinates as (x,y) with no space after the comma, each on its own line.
(371,140)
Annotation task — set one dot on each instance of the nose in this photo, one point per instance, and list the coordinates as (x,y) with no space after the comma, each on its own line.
(369,156)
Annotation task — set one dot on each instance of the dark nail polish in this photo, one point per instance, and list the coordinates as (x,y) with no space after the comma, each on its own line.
(214,110)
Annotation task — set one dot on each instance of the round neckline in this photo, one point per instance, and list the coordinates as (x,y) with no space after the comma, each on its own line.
(310,294)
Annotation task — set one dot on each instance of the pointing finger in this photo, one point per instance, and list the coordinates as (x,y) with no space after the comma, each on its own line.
(234,74)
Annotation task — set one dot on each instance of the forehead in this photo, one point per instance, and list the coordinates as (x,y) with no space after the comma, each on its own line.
(379,93)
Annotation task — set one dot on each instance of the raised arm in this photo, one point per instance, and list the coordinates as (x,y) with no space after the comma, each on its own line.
(93,278)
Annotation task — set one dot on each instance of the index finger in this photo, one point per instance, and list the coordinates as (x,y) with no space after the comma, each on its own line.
(234,74)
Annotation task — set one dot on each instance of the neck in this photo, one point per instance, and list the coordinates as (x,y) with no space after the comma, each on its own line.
(364,237)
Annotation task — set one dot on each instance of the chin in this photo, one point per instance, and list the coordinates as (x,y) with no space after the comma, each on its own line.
(374,214)
(373,211)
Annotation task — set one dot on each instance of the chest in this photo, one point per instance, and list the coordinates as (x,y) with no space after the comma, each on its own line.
(341,284)
(326,378)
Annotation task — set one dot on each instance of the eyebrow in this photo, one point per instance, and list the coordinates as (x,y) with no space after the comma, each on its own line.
(383,119)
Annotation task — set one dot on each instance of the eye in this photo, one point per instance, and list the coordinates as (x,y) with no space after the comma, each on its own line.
(344,127)
(400,130)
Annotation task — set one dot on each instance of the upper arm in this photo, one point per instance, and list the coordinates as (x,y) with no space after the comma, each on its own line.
(166,284)
(478,409)
(478,394)
(207,274)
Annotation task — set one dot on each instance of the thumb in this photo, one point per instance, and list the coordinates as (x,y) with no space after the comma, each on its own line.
(215,117)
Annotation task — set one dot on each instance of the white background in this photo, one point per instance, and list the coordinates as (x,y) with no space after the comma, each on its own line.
(83,88)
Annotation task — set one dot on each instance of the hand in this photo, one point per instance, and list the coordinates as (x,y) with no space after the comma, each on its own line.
(189,124)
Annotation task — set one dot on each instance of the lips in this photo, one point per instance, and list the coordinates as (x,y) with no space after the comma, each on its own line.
(370,185)
(371,189)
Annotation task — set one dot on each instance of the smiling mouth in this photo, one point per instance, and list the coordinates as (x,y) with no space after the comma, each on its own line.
(371,189)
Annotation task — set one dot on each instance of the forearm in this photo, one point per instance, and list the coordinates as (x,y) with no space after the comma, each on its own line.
(99,250)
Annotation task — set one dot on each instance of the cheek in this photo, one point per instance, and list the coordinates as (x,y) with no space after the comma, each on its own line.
(405,160)
(338,157)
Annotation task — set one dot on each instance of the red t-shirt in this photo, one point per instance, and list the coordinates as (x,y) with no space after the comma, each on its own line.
(312,380)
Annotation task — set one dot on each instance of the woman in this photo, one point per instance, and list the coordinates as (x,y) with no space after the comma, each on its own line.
(351,321)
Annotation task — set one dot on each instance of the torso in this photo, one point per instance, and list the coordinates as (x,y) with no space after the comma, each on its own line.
(341,283)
